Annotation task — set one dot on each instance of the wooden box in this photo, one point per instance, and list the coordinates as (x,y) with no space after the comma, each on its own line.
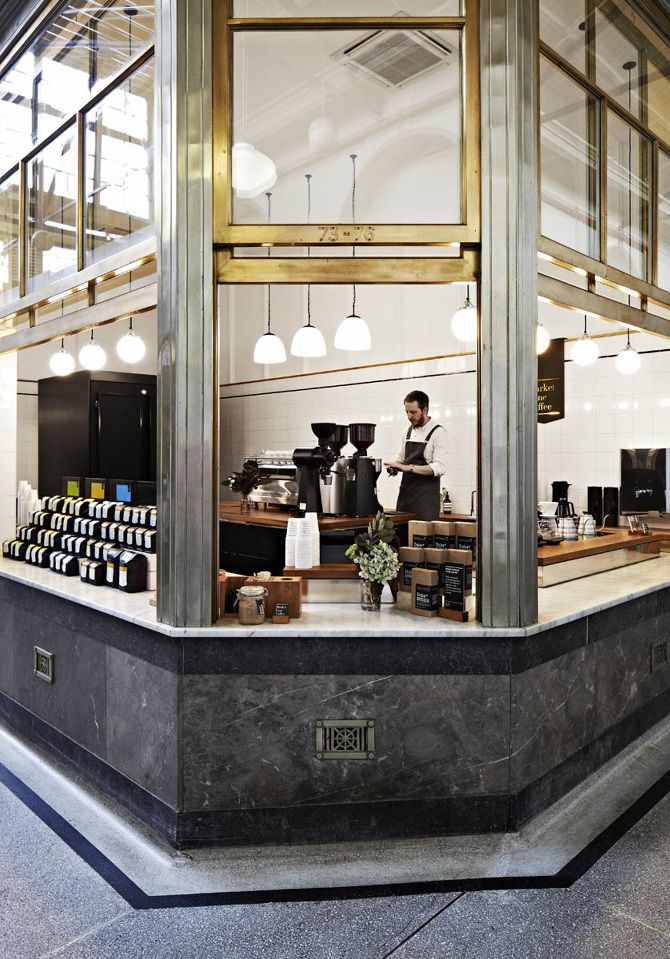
(281,589)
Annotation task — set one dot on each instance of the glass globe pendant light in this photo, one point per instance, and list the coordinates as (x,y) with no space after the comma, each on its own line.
(628,360)
(308,341)
(269,347)
(464,321)
(353,333)
(61,362)
(253,171)
(92,356)
(542,339)
(131,348)
(584,351)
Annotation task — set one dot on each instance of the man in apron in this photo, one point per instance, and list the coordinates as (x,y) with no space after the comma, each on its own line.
(421,460)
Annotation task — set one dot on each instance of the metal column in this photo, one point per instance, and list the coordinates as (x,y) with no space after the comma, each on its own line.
(187,334)
(508,362)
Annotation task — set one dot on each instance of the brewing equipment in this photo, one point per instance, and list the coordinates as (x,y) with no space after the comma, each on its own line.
(360,490)
(280,486)
(313,465)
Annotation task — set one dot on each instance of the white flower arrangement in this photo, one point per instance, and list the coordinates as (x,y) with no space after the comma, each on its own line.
(379,565)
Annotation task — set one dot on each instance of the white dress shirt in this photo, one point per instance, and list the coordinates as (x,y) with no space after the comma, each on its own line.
(436,448)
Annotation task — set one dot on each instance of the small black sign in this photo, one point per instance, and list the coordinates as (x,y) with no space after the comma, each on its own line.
(453,581)
(281,609)
(551,382)
(427,597)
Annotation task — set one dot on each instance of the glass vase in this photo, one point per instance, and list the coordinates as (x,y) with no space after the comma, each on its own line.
(371,595)
(245,504)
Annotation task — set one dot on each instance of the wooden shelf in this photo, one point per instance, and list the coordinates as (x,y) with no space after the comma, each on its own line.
(325,571)
(580,548)
(278,519)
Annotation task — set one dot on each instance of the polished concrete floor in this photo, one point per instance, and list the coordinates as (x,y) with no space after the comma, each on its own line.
(54,903)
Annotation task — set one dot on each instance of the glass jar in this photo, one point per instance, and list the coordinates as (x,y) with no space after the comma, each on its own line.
(251,609)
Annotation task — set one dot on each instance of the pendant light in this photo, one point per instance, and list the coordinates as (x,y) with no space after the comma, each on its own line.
(61,362)
(131,348)
(269,348)
(584,351)
(464,321)
(353,333)
(628,360)
(308,341)
(253,172)
(92,356)
(542,338)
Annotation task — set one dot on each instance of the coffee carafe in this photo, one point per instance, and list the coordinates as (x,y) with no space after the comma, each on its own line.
(565,508)
(559,490)
(360,490)
(334,482)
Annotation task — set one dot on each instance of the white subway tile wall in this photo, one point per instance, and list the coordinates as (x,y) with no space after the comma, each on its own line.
(8,445)
(26,417)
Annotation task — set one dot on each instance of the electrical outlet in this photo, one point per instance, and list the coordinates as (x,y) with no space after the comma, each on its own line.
(43,664)
(659,655)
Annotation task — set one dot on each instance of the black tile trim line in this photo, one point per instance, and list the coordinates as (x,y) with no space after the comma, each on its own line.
(138,899)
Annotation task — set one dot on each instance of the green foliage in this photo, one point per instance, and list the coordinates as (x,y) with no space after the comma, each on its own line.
(372,553)
(247,480)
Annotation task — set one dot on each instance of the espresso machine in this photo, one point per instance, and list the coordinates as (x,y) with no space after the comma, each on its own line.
(360,488)
(313,466)
(333,483)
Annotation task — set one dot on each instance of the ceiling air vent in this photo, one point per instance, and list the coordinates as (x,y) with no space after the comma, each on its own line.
(394,57)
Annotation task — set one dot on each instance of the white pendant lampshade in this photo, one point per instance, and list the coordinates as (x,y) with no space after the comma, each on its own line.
(464,321)
(269,349)
(542,339)
(61,362)
(353,334)
(131,347)
(628,360)
(308,341)
(92,356)
(584,351)
(253,171)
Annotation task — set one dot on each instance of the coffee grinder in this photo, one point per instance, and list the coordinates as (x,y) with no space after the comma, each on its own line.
(333,484)
(313,464)
(360,490)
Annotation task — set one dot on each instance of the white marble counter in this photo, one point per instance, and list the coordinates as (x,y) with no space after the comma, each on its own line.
(557,604)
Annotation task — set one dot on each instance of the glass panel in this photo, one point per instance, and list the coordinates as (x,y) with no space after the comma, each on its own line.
(9,237)
(74,55)
(119,165)
(618,65)
(658,96)
(569,162)
(628,170)
(52,201)
(562,28)
(664,220)
(308,100)
(346,8)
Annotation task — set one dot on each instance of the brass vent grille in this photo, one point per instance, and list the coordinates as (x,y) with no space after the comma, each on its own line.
(345,739)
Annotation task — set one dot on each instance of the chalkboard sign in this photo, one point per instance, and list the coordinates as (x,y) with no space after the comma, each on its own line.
(551,382)
(453,583)
(281,609)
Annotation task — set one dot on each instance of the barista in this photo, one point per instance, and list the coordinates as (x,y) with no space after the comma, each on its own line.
(422,459)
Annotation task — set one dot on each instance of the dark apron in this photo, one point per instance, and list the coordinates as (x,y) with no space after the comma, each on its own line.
(419,494)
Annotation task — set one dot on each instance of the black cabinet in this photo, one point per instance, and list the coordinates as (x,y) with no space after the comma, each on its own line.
(96,424)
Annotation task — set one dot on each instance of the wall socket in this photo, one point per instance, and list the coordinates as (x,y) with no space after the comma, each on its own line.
(43,664)
(659,655)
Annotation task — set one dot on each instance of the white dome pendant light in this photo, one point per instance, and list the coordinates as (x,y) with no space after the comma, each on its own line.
(269,348)
(542,339)
(131,348)
(92,356)
(61,362)
(353,333)
(308,341)
(628,360)
(464,321)
(584,351)
(253,172)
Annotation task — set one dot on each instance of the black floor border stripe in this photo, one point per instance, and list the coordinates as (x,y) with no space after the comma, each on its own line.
(138,899)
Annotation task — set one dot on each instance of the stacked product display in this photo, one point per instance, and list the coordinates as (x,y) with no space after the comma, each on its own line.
(105,543)
(436,572)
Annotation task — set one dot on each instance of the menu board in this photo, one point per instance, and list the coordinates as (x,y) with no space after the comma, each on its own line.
(551,382)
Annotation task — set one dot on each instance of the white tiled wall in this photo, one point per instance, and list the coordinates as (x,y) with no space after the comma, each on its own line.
(605,412)
(26,416)
(260,417)
(8,445)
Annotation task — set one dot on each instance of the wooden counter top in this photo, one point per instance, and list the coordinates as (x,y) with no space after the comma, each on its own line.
(276,519)
(577,549)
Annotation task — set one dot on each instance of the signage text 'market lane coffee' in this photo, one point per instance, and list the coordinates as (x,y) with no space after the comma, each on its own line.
(551,382)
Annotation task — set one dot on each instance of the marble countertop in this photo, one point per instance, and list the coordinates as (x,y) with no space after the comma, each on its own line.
(557,604)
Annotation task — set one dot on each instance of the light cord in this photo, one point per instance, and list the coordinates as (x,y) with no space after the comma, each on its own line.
(269,196)
(353,220)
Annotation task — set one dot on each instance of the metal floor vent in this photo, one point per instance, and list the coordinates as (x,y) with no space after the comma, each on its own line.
(395,57)
(345,739)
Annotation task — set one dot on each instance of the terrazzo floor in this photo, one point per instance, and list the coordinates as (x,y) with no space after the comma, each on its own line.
(52,904)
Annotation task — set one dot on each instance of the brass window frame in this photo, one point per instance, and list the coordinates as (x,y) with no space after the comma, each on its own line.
(227,233)
(648,285)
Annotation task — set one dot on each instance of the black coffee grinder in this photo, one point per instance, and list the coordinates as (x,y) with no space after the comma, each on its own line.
(313,464)
(360,489)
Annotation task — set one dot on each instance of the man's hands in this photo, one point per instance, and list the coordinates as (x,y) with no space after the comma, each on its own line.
(396,467)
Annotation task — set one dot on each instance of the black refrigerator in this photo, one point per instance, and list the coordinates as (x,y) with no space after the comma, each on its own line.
(96,424)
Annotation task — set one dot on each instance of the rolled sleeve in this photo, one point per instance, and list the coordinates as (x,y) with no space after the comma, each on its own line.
(436,452)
